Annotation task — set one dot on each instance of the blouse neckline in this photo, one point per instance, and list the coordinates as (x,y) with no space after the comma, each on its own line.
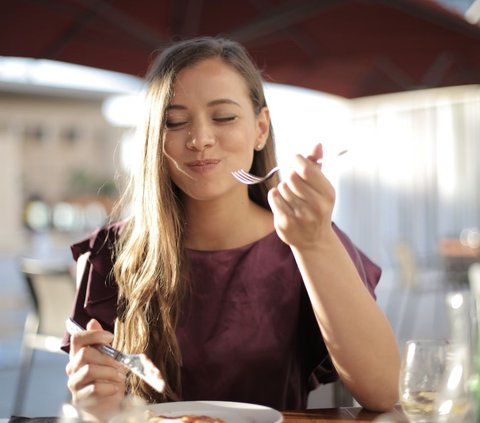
(234,249)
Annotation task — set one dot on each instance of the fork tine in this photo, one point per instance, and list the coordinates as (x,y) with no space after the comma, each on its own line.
(246,177)
(249,177)
(252,178)
(240,177)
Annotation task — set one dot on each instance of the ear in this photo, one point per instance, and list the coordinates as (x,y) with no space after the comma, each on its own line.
(263,128)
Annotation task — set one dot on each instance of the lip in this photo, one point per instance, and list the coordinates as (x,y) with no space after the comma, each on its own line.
(203,166)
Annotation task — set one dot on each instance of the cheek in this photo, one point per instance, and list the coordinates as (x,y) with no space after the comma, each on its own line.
(176,175)
(239,140)
(172,168)
(172,152)
(171,145)
(170,165)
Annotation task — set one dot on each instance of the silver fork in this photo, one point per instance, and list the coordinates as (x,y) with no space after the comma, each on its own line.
(136,363)
(247,178)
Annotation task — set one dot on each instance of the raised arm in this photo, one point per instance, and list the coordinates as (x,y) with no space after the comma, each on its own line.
(356,332)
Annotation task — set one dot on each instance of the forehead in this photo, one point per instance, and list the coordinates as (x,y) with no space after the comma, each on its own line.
(209,79)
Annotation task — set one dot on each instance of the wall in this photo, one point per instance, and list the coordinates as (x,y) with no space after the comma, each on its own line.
(53,148)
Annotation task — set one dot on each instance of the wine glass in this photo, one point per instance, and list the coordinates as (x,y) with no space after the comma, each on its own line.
(421,378)
(133,409)
(456,402)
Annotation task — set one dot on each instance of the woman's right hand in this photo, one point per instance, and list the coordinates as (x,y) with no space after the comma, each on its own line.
(96,381)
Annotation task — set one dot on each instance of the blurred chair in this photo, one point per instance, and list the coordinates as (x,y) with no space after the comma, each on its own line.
(341,395)
(474,277)
(331,395)
(416,278)
(474,282)
(51,288)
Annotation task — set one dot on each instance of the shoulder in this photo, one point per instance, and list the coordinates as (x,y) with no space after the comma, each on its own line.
(100,241)
(98,249)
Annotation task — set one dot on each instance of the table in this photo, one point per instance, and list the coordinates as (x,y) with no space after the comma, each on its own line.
(339,415)
(457,258)
(452,247)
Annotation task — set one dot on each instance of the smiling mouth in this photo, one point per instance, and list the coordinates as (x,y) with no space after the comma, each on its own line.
(203,165)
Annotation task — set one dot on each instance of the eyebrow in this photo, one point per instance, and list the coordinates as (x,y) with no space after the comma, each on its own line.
(209,104)
(223,101)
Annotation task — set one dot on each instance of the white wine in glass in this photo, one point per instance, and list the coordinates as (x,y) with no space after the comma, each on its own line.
(421,375)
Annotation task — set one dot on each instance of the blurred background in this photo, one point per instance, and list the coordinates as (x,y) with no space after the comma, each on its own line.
(396,82)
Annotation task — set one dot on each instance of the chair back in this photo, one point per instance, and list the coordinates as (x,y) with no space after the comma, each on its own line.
(406,262)
(52,291)
(474,281)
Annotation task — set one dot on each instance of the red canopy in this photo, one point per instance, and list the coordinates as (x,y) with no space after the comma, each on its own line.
(350,48)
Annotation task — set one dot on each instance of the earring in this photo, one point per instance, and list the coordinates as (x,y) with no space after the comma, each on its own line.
(259,146)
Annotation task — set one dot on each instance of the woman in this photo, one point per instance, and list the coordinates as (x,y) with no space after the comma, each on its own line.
(236,292)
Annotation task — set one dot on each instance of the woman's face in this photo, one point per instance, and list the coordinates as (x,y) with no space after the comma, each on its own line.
(211,129)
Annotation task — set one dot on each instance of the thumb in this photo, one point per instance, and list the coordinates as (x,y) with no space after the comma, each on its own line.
(316,154)
(94,325)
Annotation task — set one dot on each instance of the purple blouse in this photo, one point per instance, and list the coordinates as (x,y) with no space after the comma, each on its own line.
(247,332)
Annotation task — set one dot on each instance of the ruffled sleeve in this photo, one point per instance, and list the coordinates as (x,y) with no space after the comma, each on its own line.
(97,290)
(369,272)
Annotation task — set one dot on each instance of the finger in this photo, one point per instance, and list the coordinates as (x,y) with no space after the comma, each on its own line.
(312,174)
(306,168)
(309,202)
(90,355)
(316,154)
(89,338)
(296,190)
(297,204)
(279,206)
(93,324)
(91,373)
(94,335)
(307,205)
(94,375)
(99,390)
(287,195)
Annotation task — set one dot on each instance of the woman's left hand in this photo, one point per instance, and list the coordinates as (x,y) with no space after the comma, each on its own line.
(302,203)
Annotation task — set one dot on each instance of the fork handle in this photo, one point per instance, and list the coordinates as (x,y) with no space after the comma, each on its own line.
(337,154)
(112,352)
(74,327)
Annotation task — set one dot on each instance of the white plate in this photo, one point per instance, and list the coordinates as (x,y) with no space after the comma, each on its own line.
(231,412)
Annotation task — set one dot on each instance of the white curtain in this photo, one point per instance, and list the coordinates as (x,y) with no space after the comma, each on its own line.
(413,172)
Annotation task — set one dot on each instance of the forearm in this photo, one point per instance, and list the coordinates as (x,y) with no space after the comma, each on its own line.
(357,334)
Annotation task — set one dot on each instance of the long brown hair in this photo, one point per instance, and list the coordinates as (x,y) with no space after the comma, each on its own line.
(150,267)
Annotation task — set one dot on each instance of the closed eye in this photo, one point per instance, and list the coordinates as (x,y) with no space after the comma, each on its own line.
(225,119)
(175,125)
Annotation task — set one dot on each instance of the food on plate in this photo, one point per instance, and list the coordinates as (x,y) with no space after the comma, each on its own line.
(152,418)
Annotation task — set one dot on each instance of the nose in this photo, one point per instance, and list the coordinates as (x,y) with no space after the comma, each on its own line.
(200,136)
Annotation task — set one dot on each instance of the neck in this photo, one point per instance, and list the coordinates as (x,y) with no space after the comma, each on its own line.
(225,223)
